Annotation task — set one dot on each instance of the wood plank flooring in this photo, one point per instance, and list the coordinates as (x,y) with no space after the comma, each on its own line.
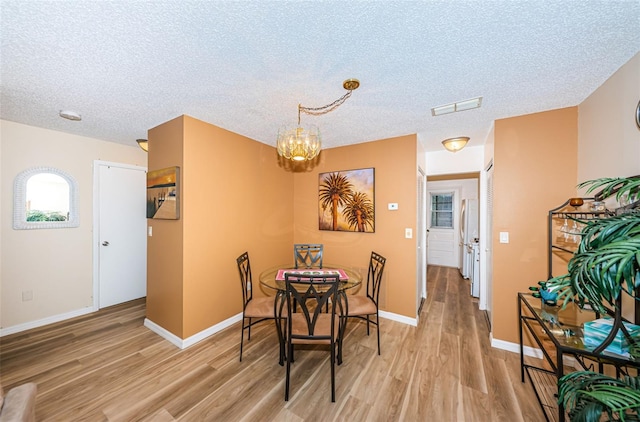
(108,367)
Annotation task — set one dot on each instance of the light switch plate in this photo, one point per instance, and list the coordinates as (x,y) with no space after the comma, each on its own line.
(408,233)
(504,237)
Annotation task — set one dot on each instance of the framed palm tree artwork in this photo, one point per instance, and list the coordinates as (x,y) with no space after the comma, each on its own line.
(346,201)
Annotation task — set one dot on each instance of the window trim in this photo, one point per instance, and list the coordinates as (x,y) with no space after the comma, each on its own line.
(20,201)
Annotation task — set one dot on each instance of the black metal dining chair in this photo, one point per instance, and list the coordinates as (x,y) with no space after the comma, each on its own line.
(254,310)
(312,326)
(307,255)
(365,307)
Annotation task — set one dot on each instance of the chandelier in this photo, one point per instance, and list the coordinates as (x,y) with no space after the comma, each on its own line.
(303,144)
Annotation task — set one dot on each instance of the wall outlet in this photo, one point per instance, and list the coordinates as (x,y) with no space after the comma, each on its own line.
(393,206)
(27,295)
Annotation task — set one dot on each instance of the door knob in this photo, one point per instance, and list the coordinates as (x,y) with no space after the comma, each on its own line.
(105,243)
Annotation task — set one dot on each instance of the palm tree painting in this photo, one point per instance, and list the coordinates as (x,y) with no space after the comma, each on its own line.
(346,201)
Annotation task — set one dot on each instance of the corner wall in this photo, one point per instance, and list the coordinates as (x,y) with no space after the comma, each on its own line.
(55,264)
(234,198)
(608,137)
(609,140)
(535,168)
(395,161)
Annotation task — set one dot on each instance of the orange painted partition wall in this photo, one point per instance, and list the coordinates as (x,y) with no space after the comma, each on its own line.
(164,248)
(535,170)
(234,198)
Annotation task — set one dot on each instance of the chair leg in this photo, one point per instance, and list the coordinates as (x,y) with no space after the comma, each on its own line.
(286,383)
(378,329)
(333,372)
(241,338)
(249,330)
(343,330)
(367,324)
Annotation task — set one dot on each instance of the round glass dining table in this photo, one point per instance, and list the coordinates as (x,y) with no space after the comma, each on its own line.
(273,278)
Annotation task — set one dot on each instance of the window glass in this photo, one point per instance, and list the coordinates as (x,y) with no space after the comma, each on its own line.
(442,210)
(47,198)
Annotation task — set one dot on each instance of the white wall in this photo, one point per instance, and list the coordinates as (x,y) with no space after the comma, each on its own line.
(55,264)
(468,160)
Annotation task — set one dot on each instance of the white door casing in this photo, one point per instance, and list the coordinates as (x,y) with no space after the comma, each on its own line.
(486,239)
(421,279)
(120,225)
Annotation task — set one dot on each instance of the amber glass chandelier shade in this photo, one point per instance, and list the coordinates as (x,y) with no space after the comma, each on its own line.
(303,143)
(298,143)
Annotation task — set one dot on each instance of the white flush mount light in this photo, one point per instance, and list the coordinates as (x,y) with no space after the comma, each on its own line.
(455,107)
(70,115)
(455,144)
(144,144)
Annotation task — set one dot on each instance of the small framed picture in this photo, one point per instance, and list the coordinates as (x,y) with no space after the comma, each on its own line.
(163,195)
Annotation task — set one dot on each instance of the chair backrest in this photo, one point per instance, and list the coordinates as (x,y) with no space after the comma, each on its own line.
(374,276)
(312,295)
(307,255)
(244,267)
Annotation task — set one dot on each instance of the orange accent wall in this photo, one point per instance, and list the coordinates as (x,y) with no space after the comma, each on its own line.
(234,198)
(164,248)
(395,163)
(535,169)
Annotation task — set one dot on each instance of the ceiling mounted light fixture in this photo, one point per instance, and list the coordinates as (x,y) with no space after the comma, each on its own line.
(70,115)
(303,144)
(455,107)
(144,144)
(455,144)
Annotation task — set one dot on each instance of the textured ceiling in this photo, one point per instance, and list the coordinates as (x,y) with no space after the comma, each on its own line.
(128,66)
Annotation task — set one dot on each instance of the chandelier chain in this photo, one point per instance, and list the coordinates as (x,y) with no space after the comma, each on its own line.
(300,144)
(318,111)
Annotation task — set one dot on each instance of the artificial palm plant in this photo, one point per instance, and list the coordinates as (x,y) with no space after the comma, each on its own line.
(606,264)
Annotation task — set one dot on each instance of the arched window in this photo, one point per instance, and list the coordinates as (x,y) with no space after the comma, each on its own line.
(45,198)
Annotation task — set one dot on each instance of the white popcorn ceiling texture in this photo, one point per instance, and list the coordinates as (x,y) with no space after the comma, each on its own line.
(128,66)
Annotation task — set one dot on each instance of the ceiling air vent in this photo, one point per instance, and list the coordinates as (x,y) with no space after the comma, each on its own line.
(459,106)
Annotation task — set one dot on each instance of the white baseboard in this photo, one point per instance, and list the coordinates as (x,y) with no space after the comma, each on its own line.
(527,350)
(399,318)
(184,343)
(45,321)
(515,347)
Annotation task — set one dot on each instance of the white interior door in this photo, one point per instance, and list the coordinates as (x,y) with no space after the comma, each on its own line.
(443,248)
(120,237)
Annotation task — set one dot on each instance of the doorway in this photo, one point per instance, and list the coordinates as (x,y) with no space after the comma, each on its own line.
(119,233)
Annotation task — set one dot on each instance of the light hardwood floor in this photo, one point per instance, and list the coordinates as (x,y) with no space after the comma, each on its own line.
(108,367)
